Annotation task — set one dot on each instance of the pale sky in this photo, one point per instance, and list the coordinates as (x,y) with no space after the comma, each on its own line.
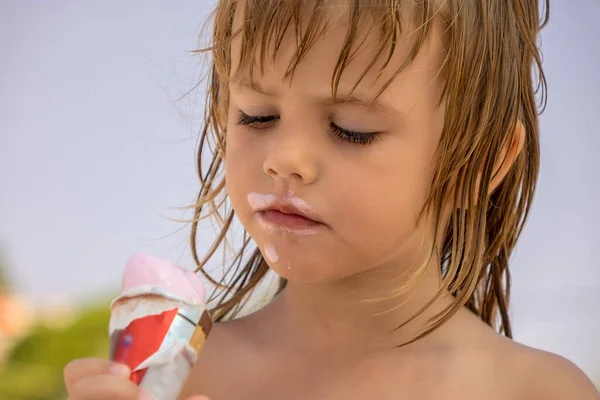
(93,151)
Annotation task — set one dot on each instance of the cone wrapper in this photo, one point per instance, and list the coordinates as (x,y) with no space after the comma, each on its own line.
(159,339)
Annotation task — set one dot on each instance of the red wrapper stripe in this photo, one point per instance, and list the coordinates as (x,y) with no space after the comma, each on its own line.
(142,338)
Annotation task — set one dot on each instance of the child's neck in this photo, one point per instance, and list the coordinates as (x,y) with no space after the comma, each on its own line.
(330,318)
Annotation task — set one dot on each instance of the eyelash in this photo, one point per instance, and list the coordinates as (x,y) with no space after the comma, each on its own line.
(259,122)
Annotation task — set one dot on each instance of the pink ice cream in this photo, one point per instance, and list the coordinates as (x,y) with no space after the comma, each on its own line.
(145,273)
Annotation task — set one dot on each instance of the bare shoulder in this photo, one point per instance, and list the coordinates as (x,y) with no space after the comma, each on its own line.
(495,367)
(540,374)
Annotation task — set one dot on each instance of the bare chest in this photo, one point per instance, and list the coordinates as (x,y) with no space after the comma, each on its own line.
(297,381)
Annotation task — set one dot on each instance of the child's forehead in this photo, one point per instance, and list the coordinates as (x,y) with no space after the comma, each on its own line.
(335,38)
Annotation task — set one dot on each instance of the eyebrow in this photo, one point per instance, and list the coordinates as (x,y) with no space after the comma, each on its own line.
(356,99)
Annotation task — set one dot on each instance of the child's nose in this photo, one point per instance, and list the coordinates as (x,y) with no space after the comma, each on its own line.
(292,157)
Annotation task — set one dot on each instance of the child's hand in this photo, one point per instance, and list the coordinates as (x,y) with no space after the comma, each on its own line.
(99,379)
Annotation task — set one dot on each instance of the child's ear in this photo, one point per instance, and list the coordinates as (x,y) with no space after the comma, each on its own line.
(509,153)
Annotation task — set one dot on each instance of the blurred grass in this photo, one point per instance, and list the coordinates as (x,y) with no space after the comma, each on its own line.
(35,364)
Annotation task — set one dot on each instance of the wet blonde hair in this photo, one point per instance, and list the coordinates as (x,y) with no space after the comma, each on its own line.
(492,73)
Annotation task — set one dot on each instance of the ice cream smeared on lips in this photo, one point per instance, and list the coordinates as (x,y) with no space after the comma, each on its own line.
(158,324)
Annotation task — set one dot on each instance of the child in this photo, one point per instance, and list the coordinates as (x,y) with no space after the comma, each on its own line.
(382,155)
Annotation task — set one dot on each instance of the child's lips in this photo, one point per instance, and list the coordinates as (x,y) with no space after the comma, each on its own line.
(290,214)
(277,220)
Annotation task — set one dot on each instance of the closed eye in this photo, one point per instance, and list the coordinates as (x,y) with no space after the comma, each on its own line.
(362,138)
(258,122)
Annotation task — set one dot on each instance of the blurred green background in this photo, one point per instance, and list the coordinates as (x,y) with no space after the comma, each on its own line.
(33,367)
(35,345)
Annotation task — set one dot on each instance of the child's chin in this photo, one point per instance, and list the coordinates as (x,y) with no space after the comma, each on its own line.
(306,273)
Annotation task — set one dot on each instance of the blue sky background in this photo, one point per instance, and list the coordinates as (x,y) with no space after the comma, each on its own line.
(94,153)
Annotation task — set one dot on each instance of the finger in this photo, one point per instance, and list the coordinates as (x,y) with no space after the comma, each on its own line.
(103,387)
(83,367)
(198,398)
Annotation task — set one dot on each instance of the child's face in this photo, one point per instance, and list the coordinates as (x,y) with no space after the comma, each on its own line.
(368,195)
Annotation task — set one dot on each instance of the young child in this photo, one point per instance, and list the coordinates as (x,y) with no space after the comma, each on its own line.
(382,155)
